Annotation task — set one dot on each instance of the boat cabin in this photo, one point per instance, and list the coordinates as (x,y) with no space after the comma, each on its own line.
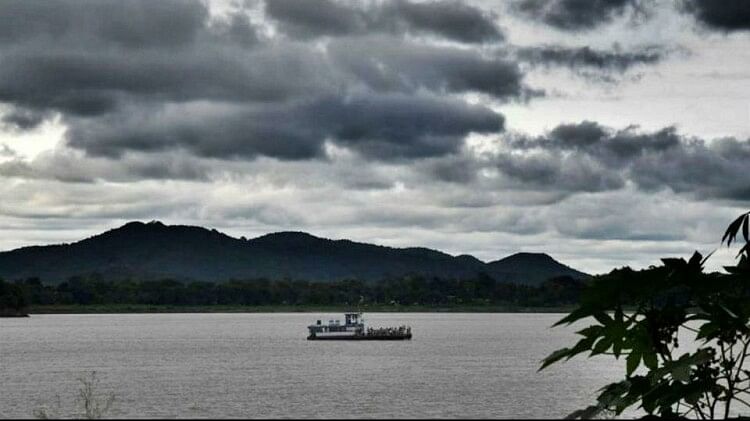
(354,324)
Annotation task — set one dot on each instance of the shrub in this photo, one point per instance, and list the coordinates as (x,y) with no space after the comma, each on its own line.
(665,300)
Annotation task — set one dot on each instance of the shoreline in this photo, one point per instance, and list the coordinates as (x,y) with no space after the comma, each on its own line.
(145,308)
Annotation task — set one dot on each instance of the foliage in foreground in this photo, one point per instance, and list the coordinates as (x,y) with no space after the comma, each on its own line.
(710,382)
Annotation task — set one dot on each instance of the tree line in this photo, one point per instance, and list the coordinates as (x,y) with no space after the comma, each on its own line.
(408,290)
(13,300)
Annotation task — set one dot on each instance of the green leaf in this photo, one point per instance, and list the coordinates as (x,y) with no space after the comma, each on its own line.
(617,346)
(575,315)
(586,413)
(649,405)
(593,330)
(700,357)
(619,316)
(729,312)
(602,346)
(732,230)
(603,318)
(681,373)
(632,362)
(693,398)
(706,331)
(650,360)
(744,249)
(696,259)
(703,262)
(555,357)
(583,345)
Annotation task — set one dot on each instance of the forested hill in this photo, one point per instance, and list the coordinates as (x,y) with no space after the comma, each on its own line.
(153,251)
(535,266)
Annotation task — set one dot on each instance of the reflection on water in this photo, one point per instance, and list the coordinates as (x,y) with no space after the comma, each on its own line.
(260,365)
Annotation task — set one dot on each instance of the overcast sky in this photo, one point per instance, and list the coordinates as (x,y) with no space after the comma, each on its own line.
(604,132)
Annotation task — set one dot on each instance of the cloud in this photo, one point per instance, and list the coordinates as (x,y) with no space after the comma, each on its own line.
(23,119)
(588,157)
(94,81)
(573,15)
(85,58)
(387,126)
(71,166)
(448,19)
(726,15)
(131,24)
(585,15)
(7,152)
(614,60)
(152,77)
(408,67)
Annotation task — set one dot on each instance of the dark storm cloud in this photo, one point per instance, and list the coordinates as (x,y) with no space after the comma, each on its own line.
(445,18)
(613,147)
(305,19)
(613,60)
(157,76)
(449,18)
(555,171)
(93,81)
(22,119)
(406,67)
(387,126)
(134,23)
(573,15)
(587,157)
(717,170)
(237,28)
(725,15)
(406,126)
(83,57)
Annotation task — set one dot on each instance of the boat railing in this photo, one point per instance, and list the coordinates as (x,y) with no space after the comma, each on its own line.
(389,331)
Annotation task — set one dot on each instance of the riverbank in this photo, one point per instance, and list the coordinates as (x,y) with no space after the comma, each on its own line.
(145,308)
(14,312)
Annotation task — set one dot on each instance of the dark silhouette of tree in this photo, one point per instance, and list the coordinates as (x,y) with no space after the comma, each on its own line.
(12,300)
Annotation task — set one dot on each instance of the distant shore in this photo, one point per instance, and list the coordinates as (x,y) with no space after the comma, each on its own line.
(145,308)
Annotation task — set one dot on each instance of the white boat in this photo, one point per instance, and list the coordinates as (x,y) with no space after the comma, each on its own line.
(354,329)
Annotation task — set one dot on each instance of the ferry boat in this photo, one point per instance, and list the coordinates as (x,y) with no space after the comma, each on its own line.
(354,329)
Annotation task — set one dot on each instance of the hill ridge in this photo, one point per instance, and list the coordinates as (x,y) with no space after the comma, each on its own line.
(156,250)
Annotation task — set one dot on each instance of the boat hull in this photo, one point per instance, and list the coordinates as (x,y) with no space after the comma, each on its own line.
(361,338)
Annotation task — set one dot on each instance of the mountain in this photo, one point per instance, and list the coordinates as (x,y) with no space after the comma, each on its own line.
(532,268)
(154,250)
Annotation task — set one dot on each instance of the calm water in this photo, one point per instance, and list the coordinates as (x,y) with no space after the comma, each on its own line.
(260,365)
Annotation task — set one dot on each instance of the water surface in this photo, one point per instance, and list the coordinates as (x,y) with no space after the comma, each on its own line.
(260,365)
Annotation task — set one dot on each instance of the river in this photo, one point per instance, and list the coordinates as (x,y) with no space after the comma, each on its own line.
(475,365)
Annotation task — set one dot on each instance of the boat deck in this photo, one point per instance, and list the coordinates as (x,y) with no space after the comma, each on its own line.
(374,337)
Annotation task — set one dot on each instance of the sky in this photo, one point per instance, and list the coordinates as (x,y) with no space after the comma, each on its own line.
(605,133)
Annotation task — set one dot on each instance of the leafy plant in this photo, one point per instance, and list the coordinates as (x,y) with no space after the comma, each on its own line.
(93,405)
(89,404)
(638,316)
